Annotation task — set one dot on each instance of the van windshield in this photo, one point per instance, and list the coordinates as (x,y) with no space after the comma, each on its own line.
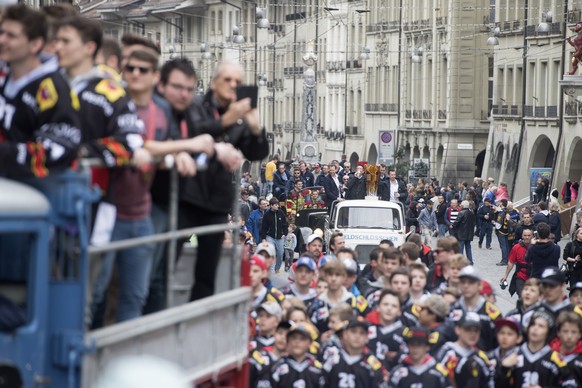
(368,218)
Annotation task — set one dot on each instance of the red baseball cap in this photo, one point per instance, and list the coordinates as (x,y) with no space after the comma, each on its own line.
(486,288)
(259,261)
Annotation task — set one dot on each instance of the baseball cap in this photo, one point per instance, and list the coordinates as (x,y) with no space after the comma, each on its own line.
(512,323)
(577,286)
(469,272)
(271,308)
(490,179)
(470,319)
(487,200)
(417,335)
(259,261)
(324,259)
(357,322)
(350,265)
(314,237)
(306,261)
(284,325)
(267,247)
(303,329)
(553,275)
(486,288)
(437,305)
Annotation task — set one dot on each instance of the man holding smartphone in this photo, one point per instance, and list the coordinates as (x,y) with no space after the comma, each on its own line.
(208,197)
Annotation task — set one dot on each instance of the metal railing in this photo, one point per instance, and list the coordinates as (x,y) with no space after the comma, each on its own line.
(173,234)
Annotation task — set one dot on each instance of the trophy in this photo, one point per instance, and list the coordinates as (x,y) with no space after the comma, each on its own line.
(372,179)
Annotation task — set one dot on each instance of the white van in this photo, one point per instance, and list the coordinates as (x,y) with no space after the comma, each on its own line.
(366,222)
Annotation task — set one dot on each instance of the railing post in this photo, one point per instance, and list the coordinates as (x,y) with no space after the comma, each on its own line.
(173,243)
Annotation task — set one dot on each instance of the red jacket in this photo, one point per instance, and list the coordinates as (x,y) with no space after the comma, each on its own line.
(517,257)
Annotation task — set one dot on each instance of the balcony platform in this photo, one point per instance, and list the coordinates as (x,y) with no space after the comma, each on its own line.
(572,85)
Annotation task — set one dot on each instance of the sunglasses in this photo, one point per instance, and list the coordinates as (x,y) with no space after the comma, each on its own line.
(142,70)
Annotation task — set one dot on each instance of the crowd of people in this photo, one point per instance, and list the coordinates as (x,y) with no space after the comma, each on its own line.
(68,93)
(417,315)
(414,315)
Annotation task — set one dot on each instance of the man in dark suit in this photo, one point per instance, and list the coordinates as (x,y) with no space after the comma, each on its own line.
(331,184)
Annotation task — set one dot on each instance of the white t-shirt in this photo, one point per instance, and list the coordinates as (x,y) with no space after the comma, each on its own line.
(393,190)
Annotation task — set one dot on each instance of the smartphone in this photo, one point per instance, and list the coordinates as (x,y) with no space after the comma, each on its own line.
(250,91)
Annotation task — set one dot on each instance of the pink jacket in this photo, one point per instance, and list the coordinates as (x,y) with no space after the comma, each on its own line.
(501,194)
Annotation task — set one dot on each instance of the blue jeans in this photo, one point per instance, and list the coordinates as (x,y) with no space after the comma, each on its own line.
(267,188)
(486,230)
(133,265)
(504,245)
(466,247)
(156,300)
(443,230)
(279,249)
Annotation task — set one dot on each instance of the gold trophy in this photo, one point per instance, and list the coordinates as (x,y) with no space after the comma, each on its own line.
(372,179)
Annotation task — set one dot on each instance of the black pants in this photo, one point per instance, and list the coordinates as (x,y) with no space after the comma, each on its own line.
(209,247)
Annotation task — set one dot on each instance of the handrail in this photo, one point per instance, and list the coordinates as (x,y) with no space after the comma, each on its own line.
(159,237)
(173,233)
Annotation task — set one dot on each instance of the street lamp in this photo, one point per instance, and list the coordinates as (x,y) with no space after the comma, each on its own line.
(262,79)
(365,54)
(206,55)
(173,53)
(417,55)
(544,27)
(236,35)
(262,21)
(493,40)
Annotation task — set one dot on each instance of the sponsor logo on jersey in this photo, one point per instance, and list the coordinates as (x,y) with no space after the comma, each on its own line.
(46,95)
(110,89)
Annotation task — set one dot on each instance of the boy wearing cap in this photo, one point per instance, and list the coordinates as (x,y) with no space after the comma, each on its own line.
(348,257)
(335,274)
(535,364)
(261,360)
(472,301)
(352,365)
(487,292)
(269,316)
(298,368)
(386,338)
(568,343)
(267,250)
(432,314)
(468,366)
(553,287)
(509,337)
(418,368)
(305,273)
(259,291)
